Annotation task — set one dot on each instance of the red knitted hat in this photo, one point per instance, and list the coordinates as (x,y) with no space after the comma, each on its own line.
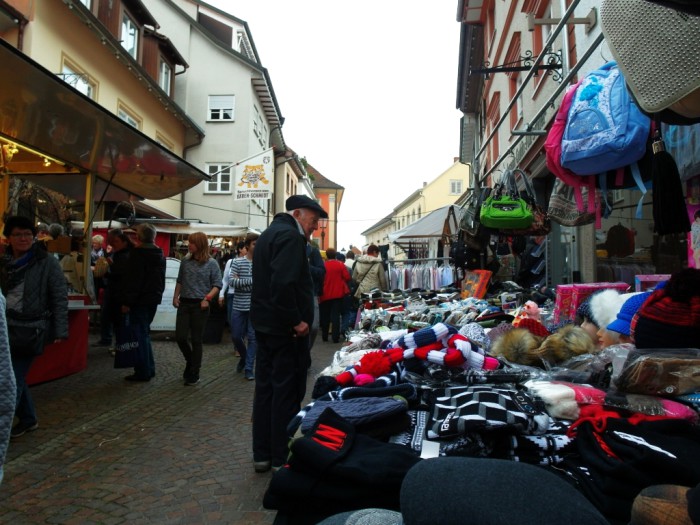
(535,327)
(670,317)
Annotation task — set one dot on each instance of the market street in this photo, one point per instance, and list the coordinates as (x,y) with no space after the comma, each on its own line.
(111,451)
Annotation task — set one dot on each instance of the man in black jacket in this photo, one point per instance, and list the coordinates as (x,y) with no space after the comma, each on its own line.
(142,292)
(318,275)
(282,312)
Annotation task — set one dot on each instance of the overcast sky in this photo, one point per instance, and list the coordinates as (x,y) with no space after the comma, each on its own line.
(368,92)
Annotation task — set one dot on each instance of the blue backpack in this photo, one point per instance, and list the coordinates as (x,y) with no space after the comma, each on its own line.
(605,129)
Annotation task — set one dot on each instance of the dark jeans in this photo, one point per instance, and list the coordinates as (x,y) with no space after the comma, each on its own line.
(143,317)
(348,312)
(313,331)
(189,332)
(241,328)
(107,318)
(280,385)
(330,315)
(24,405)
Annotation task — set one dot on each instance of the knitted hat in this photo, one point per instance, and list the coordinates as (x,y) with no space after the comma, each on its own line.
(584,311)
(629,308)
(670,317)
(477,335)
(604,306)
(535,327)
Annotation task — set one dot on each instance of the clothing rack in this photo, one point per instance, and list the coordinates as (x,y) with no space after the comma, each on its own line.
(418,272)
(396,261)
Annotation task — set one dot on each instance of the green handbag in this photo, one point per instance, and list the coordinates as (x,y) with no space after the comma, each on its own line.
(501,210)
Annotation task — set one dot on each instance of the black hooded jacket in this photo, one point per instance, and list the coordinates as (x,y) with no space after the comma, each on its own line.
(283,292)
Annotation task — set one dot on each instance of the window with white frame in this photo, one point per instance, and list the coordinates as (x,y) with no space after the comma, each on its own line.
(221,107)
(130,35)
(220,177)
(165,75)
(129,116)
(519,100)
(546,29)
(455,187)
(79,80)
(87,3)
(244,46)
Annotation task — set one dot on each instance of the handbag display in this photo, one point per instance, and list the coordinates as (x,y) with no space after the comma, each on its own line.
(502,210)
(563,209)
(476,235)
(129,339)
(541,224)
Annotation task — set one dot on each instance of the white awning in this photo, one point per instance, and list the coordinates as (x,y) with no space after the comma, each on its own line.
(180,228)
(435,224)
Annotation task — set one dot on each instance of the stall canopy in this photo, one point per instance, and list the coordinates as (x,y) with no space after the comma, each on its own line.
(441,222)
(53,135)
(177,227)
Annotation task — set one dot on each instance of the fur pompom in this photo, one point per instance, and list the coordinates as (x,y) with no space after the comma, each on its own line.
(375,364)
(518,345)
(568,342)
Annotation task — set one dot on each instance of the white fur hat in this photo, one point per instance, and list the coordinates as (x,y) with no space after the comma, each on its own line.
(604,306)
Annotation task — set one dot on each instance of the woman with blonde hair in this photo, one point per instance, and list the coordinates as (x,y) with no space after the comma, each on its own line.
(198,284)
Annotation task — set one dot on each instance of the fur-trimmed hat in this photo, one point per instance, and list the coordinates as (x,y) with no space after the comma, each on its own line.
(564,344)
(518,346)
(604,306)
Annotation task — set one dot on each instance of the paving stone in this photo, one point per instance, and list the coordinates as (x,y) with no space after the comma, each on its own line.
(112,452)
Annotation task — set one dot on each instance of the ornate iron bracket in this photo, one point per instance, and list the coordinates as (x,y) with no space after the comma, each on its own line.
(551,63)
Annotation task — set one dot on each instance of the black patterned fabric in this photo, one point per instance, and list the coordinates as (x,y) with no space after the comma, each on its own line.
(458,410)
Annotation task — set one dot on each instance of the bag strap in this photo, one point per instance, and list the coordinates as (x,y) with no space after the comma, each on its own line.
(529,189)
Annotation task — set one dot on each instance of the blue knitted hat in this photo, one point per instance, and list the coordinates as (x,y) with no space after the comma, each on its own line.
(626,313)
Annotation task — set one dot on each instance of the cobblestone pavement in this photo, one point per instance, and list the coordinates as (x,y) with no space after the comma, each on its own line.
(108,451)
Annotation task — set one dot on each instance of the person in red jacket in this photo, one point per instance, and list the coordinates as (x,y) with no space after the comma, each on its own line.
(335,287)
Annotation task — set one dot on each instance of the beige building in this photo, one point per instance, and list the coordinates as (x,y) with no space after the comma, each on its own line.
(94,95)
(445,189)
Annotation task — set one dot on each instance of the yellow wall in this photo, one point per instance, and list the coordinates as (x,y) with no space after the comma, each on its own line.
(56,33)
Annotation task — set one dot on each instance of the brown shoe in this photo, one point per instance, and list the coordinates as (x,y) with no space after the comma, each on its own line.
(661,505)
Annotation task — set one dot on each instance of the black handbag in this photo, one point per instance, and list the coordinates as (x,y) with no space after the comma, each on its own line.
(129,343)
(476,235)
(26,341)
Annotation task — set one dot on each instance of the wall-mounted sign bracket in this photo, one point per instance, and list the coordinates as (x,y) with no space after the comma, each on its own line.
(551,63)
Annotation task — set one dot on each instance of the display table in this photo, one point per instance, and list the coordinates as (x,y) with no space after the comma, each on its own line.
(69,356)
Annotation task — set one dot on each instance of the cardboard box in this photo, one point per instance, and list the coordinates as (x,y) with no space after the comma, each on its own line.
(642,283)
(475,283)
(570,296)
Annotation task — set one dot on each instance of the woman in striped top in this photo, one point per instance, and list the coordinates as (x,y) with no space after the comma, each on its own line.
(198,283)
(241,280)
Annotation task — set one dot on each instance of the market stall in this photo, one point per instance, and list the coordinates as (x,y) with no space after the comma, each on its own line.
(56,137)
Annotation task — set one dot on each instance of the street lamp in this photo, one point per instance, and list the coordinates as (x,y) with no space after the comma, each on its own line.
(323,224)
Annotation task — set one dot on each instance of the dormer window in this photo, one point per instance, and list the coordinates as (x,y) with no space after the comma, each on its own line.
(130,35)
(165,75)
